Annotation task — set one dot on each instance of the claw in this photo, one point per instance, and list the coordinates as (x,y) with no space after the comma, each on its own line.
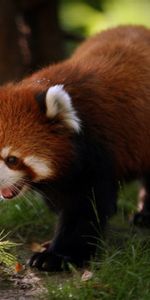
(46,261)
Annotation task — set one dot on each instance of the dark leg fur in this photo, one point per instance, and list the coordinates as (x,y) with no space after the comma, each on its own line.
(142,218)
(80,227)
(84,201)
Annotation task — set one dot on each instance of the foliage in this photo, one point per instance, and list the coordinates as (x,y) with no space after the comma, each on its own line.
(87,18)
(24,217)
(122,273)
(7,259)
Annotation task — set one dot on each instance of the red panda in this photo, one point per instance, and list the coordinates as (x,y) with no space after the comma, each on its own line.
(74,130)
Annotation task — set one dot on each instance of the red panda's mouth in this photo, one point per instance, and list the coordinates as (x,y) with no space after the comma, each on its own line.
(12,191)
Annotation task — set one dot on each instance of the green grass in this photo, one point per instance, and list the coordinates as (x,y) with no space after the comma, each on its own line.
(26,218)
(121,269)
(120,274)
(7,259)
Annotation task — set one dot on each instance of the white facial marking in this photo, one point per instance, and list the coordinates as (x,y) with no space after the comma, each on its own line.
(58,101)
(5,151)
(39,166)
(9,177)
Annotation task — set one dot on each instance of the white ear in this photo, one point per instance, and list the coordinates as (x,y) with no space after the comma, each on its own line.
(58,102)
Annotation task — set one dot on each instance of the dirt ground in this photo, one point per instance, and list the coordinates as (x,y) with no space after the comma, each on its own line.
(28,285)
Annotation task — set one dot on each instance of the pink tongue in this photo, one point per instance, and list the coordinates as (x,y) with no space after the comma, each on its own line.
(7,193)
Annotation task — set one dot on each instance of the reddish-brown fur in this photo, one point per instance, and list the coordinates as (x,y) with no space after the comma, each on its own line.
(24,127)
(108,80)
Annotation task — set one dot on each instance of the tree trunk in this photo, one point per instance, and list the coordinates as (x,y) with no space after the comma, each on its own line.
(11,60)
(45,42)
(30,36)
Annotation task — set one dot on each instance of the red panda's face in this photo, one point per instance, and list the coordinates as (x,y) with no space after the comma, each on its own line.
(35,144)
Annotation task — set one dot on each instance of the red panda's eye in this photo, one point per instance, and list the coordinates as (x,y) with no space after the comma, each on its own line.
(12,161)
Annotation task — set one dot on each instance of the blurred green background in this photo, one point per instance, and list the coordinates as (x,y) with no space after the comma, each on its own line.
(90,16)
(35,33)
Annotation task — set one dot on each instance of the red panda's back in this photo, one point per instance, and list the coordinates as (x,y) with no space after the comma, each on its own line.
(108,80)
(119,62)
(109,42)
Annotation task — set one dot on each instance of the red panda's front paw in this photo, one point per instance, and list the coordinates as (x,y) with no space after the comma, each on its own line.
(47,261)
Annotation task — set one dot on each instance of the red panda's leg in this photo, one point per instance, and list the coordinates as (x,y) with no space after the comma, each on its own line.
(74,241)
(142,217)
(80,228)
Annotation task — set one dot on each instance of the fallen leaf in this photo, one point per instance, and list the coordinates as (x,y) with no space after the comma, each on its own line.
(18,267)
(87,275)
(35,247)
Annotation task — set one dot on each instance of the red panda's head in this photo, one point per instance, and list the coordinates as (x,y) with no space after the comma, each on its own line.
(36,133)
